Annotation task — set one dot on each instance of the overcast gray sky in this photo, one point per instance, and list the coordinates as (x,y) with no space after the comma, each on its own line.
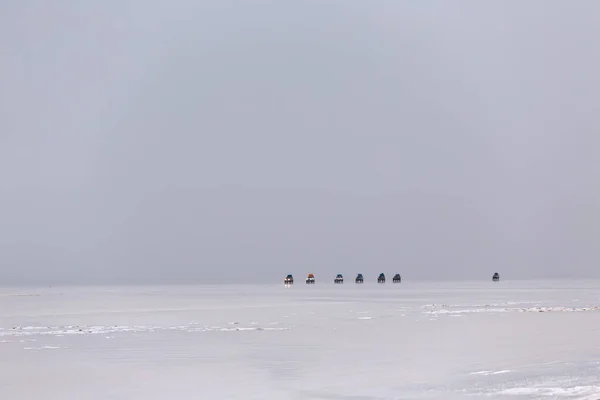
(206,141)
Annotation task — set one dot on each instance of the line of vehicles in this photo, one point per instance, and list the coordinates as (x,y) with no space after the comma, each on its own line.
(339,278)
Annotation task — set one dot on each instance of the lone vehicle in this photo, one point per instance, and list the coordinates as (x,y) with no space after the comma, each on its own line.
(359,279)
(339,279)
(289,280)
(381,278)
(397,278)
(310,279)
(496,277)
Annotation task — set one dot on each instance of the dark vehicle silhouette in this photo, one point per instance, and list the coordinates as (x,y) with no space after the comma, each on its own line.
(496,277)
(359,279)
(397,278)
(310,279)
(339,279)
(289,280)
(381,278)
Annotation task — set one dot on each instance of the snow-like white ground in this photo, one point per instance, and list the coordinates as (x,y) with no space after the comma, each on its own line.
(455,340)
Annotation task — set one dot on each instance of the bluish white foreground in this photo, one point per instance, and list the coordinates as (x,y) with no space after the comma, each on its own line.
(506,340)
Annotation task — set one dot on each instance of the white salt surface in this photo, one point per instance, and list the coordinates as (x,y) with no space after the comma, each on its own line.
(513,340)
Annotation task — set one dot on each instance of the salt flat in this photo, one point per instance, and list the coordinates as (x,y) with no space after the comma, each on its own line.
(414,340)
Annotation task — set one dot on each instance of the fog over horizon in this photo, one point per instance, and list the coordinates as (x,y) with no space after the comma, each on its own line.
(220,141)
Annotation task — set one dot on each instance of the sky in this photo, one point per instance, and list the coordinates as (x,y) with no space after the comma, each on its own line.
(146,141)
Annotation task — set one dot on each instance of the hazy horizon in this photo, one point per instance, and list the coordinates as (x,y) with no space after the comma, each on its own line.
(217,141)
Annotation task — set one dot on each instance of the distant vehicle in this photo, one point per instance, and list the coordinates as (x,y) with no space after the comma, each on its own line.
(381,278)
(339,279)
(289,280)
(496,277)
(359,279)
(310,279)
(397,278)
